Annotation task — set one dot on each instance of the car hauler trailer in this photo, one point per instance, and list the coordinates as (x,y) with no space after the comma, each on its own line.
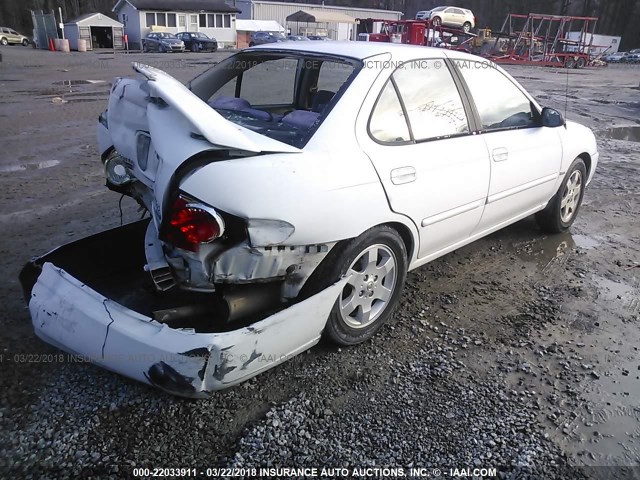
(540,39)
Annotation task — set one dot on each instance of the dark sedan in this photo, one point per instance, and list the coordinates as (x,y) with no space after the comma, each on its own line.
(198,42)
(260,38)
(162,42)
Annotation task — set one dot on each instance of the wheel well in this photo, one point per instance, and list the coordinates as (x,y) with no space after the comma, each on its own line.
(586,158)
(406,236)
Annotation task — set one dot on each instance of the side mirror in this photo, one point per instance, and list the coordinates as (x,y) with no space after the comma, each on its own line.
(551,118)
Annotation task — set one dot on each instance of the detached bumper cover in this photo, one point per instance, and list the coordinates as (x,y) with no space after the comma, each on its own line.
(72,316)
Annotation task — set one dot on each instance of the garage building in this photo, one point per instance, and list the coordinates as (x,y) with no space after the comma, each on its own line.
(340,26)
(97,29)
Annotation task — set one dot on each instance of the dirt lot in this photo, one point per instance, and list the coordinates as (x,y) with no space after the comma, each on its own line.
(518,352)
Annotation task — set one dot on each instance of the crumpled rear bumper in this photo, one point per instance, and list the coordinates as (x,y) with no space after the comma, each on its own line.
(71,315)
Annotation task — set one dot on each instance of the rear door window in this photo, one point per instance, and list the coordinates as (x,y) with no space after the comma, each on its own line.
(431,99)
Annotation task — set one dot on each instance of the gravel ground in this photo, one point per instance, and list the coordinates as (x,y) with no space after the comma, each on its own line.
(518,352)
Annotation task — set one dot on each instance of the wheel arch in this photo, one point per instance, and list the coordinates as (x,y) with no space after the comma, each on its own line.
(586,158)
(406,235)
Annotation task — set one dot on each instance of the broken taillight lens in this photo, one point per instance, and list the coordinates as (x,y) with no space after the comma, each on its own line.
(189,224)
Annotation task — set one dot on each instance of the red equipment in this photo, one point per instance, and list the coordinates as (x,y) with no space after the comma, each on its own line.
(539,39)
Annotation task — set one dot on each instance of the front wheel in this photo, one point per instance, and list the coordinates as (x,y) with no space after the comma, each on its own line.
(436,21)
(376,264)
(194,47)
(25,42)
(161,49)
(563,208)
(4,42)
(466,27)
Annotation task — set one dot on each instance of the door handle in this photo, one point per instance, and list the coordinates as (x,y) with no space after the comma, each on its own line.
(500,154)
(403,175)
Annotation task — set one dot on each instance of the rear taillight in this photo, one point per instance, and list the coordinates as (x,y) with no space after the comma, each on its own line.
(188,224)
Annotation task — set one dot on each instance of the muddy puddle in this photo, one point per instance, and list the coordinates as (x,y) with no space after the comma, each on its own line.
(554,249)
(73,83)
(29,166)
(629,134)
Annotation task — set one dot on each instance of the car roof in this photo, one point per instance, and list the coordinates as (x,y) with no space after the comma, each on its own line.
(364,50)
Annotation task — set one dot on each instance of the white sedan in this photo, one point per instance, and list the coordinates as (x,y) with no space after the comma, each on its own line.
(289,190)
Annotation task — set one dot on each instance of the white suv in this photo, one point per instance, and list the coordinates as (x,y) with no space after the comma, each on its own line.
(451,17)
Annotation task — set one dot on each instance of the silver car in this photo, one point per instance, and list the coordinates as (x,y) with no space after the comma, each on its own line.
(10,36)
(452,17)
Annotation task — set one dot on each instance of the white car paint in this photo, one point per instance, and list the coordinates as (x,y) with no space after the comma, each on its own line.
(441,194)
(70,315)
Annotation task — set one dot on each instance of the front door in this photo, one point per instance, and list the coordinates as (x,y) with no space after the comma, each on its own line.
(193,23)
(433,168)
(182,22)
(525,157)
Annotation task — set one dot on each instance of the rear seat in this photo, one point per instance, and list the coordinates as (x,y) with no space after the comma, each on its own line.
(298,118)
(241,105)
(301,119)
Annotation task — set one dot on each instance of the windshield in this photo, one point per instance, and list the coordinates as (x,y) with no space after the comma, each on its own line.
(438,9)
(198,35)
(284,96)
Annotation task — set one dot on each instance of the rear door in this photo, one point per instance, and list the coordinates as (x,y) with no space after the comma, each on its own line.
(118,33)
(525,157)
(433,168)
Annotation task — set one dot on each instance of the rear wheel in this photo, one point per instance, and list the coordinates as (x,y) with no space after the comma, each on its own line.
(570,62)
(563,208)
(581,62)
(4,42)
(145,48)
(25,42)
(376,264)
(194,47)
(466,27)
(436,21)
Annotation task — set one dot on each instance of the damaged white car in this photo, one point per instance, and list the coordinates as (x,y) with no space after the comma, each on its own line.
(290,188)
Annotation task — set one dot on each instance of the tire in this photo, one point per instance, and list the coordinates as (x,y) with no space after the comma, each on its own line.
(145,48)
(563,208)
(436,21)
(194,47)
(466,27)
(161,49)
(4,42)
(25,42)
(581,62)
(570,62)
(369,289)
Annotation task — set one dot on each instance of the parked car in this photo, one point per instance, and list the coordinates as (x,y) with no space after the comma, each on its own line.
(632,58)
(453,17)
(260,38)
(198,42)
(290,188)
(298,38)
(162,42)
(10,36)
(615,57)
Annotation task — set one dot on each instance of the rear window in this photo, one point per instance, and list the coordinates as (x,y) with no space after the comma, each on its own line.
(284,96)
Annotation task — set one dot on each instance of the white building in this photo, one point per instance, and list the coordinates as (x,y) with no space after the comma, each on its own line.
(340,29)
(212,17)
